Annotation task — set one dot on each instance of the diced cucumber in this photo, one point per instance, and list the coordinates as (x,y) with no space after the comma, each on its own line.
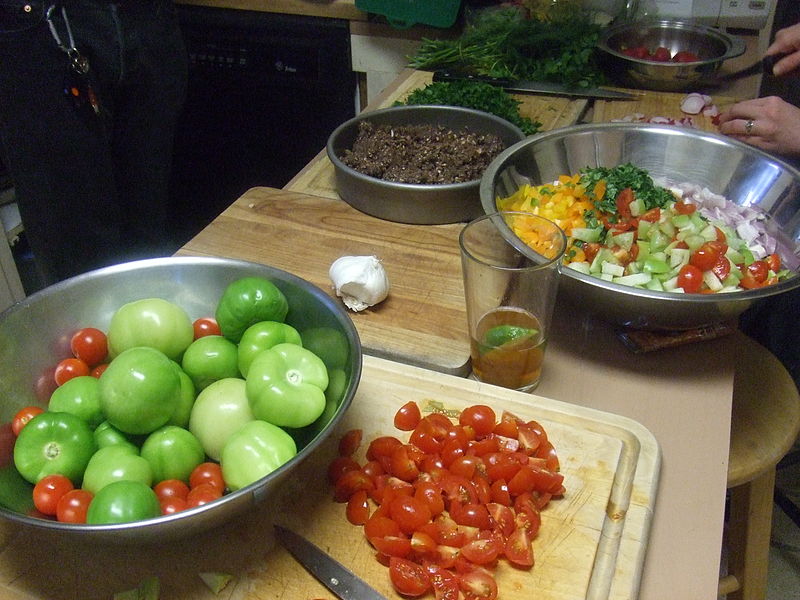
(603,255)
(748,257)
(681,221)
(655,265)
(612,269)
(606,276)
(658,239)
(671,284)
(678,257)
(712,281)
(582,267)
(587,234)
(644,249)
(668,229)
(694,241)
(655,285)
(643,229)
(637,207)
(734,256)
(623,240)
(635,279)
(709,233)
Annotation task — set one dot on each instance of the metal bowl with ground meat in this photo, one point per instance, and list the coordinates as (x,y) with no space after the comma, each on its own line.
(417,164)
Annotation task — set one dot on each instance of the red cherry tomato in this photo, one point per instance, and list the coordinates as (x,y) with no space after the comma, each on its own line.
(661,54)
(90,345)
(48,491)
(408,578)
(758,270)
(170,506)
(480,417)
(73,505)
(685,56)
(98,370)
(207,472)
(705,257)
(690,278)
(206,326)
(407,417)
(350,442)
(171,488)
(23,416)
(69,368)
(202,494)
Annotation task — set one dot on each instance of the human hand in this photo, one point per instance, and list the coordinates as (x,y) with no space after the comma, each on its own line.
(787,42)
(770,123)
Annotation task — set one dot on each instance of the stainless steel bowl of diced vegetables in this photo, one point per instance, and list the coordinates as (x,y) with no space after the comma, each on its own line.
(670,227)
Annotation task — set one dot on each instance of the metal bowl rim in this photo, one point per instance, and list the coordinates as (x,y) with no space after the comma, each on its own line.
(334,158)
(734,46)
(499,163)
(155,522)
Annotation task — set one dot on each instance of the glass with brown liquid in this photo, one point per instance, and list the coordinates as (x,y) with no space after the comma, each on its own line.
(510,293)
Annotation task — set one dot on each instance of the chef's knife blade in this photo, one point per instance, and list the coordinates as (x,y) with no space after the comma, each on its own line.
(537,87)
(331,573)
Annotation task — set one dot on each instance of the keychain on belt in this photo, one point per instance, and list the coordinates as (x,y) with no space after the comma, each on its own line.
(77,82)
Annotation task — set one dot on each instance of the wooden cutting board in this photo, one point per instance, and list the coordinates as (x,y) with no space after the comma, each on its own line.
(319,178)
(654,104)
(591,544)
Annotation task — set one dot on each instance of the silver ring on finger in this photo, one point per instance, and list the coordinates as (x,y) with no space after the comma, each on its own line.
(748,126)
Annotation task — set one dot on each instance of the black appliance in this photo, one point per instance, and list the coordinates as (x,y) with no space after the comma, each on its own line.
(265,92)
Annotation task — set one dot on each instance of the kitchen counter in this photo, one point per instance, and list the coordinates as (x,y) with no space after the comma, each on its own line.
(681,396)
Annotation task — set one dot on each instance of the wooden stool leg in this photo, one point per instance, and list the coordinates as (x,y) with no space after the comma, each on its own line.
(750,528)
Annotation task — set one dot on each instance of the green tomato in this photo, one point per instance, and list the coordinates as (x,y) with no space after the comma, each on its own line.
(79,396)
(253,452)
(115,463)
(106,435)
(219,411)
(54,443)
(151,322)
(173,453)
(329,344)
(286,386)
(263,335)
(209,359)
(123,502)
(247,301)
(139,391)
(185,401)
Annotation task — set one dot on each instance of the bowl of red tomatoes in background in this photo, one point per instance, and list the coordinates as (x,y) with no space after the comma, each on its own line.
(665,55)
(44,339)
(649,267)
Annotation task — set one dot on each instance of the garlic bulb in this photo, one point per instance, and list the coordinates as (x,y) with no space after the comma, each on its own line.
(360,281)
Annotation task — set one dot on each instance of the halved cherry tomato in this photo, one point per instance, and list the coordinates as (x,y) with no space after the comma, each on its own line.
(407,417)
(350,442)
(705,257)
(358,508)
(758,270)
(519,548)
(478,584)
(774,262)
(408,578)
(684,208)
(623,202)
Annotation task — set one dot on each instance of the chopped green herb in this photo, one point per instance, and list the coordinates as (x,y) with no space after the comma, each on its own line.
(476,95)
(621,177)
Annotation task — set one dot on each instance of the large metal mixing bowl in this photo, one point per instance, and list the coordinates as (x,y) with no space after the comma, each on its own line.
(713,46)
(35,334)
(743,174)
(418,204)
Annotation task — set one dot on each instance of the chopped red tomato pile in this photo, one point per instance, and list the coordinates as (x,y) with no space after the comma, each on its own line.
(660,54)
(444,507)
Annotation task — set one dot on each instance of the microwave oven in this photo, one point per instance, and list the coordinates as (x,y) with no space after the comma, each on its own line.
(745,14)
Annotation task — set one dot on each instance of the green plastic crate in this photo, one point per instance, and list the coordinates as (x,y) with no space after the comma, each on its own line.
(405,13)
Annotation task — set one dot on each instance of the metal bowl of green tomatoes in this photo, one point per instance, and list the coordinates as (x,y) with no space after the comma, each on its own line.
(153,400)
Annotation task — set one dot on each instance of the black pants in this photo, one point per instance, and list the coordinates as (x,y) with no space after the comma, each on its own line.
(92,191)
